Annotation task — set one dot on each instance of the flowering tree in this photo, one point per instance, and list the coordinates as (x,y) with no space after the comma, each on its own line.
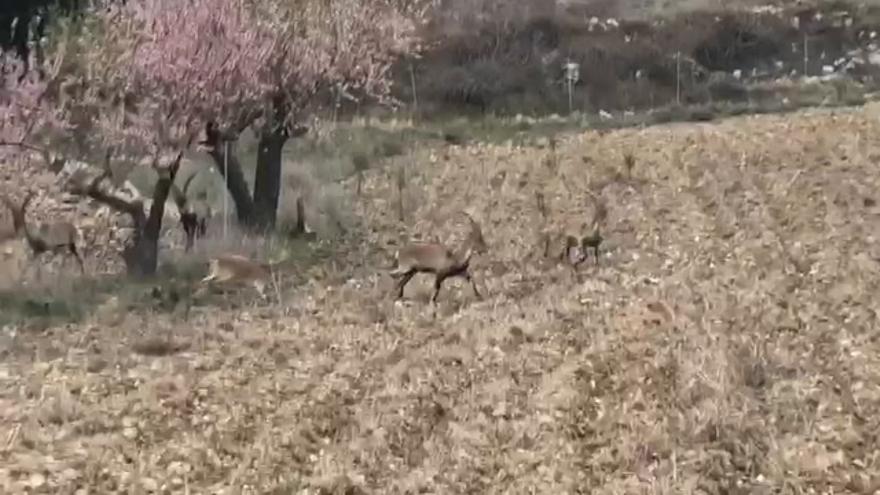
(26,110)
(266,62)
(89,107)
(137,82)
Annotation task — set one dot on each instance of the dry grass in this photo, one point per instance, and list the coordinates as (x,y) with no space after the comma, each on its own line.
(726,344)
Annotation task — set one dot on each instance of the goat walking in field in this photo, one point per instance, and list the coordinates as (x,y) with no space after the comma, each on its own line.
(594,239)
(47,237)
(436,258)
(232,268)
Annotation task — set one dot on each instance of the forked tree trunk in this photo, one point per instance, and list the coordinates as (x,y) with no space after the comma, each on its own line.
(142,256)
(267,180)
(259,210)
(236,183)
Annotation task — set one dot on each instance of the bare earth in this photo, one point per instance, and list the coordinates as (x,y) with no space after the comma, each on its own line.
(727,342)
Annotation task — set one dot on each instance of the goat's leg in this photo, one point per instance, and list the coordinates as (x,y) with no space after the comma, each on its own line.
(563,255)
(401,283)
(62,268)
(596,253)
(438,282)
(470,278)
(261,288)
(75,253)
(35,261)
(190,226)
(189,232)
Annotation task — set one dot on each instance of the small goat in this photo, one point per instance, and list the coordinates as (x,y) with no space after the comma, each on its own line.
(48,237)
(194,214)
(432,257)
(566,255)
(594,239)
(236,268)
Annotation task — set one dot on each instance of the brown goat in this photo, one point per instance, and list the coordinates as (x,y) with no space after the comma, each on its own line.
(194,213)
(594,239)
(48,237)
(234,268)
(436,258)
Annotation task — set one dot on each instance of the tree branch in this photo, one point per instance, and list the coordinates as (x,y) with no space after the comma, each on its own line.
(93,190)
(53,164)
(23,145)
(160,195)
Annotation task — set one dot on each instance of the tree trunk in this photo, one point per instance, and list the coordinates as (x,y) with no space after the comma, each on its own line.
(267,182)
(259,210)
(236,183)
(142,256)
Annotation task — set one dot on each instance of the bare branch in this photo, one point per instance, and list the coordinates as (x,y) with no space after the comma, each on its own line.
(94,191)
(23,145)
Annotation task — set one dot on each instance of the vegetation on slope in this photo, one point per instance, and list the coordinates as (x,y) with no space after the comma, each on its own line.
(725,343)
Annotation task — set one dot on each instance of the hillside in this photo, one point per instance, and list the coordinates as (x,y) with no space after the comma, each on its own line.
(504,57)
(725,343)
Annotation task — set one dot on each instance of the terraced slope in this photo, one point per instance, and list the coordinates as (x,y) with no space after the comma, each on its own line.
(727,343)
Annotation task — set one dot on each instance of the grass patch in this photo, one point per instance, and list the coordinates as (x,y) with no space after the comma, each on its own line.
(74,299)
(766,99)
(334,154)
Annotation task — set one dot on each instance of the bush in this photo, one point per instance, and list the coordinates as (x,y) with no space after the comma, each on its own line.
(506,56)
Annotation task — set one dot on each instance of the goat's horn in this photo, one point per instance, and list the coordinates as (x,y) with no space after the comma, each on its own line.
(188,182)
(178,195)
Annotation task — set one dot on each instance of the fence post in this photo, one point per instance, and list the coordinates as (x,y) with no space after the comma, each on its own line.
(412,80)
(806,55)
(225,189)
(678,78)
(572,75)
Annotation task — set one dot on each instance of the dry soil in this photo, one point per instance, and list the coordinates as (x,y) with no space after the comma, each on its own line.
(726,341)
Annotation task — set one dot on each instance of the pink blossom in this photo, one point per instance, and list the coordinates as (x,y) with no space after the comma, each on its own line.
(228,61)
(26,112)
(148,75)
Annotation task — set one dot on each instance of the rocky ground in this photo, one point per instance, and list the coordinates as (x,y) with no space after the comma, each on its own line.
(725,343)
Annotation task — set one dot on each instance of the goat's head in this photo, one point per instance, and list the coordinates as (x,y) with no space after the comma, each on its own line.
(475,239)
